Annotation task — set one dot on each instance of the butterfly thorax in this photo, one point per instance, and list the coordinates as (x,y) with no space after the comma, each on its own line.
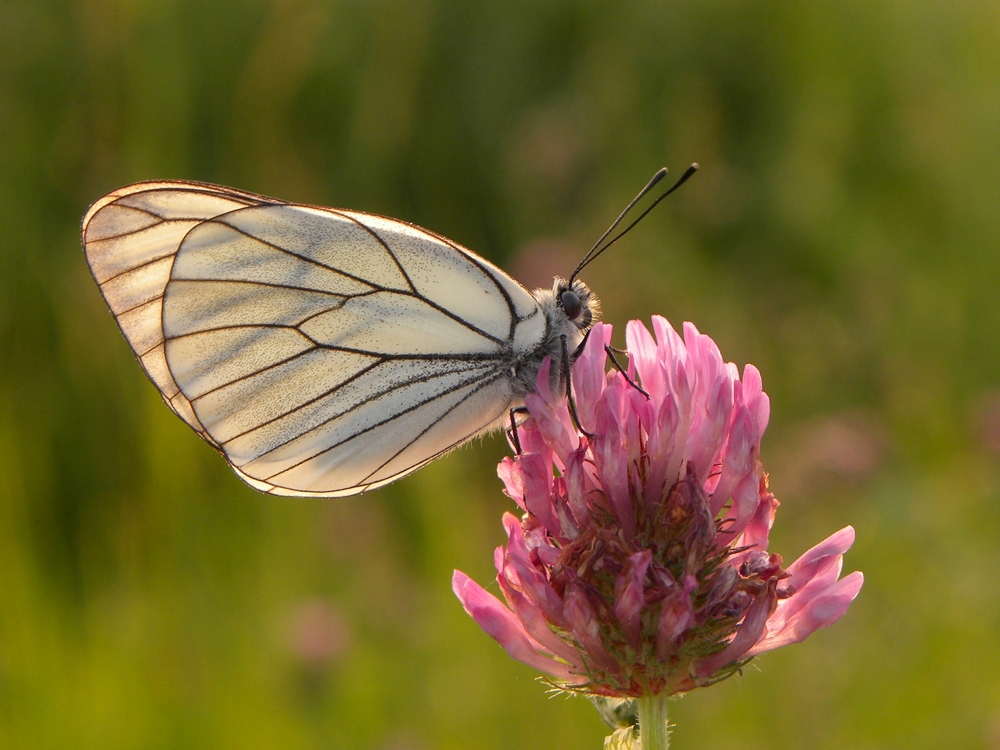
(570,311)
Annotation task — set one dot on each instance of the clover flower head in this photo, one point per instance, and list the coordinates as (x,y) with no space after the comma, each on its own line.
(640,563)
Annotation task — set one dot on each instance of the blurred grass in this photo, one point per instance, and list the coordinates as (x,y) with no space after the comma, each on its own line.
(842,235)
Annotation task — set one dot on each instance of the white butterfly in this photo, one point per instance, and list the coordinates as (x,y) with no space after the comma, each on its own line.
(323,352)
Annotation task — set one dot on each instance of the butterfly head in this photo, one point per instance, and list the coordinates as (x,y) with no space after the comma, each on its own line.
(580,305)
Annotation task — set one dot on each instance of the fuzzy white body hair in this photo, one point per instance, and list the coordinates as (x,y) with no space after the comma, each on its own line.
(557,325)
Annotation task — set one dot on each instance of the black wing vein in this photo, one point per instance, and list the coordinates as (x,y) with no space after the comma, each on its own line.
(388,420)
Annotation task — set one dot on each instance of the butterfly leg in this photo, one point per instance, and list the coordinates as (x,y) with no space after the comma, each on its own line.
(566,374)
(512,432)
(617,365)
(579,349)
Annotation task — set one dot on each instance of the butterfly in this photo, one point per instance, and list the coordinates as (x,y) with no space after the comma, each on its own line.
(323,351)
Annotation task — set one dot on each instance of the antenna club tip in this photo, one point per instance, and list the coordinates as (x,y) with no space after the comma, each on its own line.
(694,166)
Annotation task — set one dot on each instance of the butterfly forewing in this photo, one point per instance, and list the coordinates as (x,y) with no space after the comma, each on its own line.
(322,351)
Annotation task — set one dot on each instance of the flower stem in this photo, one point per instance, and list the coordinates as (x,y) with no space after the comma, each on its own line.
(653,733)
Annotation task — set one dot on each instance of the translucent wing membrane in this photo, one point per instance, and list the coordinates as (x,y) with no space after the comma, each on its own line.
(131,237)
(322,351)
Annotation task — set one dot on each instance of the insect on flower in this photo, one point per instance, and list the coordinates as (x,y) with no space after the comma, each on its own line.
(325,352)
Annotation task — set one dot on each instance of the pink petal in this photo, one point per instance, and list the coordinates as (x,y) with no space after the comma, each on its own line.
(818,598)
(630,595)
(501,625)
(611,461)
(643,354)
(587,630)
(551,414)
(513,479)
(736,460)
(534,622)
(708,425)
(821,611)
(589,373)
(812,578)
(676,616)
(746,498)
(834,546)
(755,398)
(519,570)
(664,455)
(579,486)
(749,633)
(536,476)
(670,344)
(755,535)
(702,349)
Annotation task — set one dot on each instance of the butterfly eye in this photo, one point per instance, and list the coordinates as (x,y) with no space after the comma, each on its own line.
(571,304)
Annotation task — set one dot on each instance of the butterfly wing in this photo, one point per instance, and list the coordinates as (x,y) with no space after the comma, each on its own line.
(322,351)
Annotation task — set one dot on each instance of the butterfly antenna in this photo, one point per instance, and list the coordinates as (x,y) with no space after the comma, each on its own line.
(600,246)
(660,174)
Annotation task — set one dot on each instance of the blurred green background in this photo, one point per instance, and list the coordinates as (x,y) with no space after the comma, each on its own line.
(842,235)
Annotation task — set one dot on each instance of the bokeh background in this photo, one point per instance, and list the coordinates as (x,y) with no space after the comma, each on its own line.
(842,235)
